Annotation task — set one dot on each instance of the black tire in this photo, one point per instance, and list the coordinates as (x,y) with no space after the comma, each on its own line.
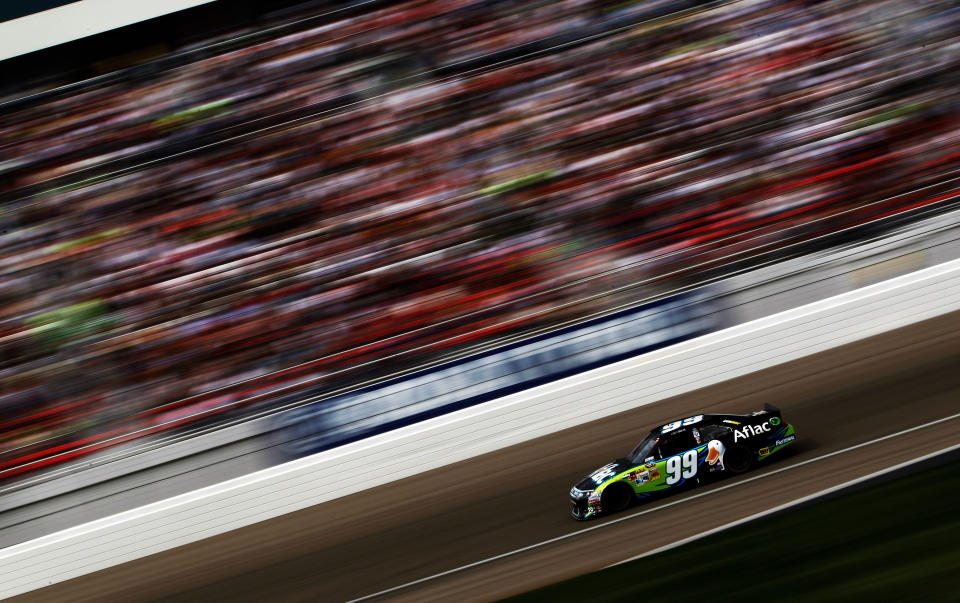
(738,459)
(616,497)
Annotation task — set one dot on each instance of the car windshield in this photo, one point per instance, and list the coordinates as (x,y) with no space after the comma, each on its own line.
(644,449)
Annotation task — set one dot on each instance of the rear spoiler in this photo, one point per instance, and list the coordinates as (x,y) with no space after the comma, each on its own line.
(770,408)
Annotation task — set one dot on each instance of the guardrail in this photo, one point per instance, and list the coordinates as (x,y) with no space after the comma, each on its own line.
(450,438)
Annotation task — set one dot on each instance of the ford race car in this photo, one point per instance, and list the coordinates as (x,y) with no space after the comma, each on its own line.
(684,452)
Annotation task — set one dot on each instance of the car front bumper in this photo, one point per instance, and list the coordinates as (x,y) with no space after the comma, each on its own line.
(584,507)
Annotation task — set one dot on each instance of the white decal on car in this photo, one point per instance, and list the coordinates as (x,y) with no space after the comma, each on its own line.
(683,465)
(603,473)
(715,450)
(684,423)
(749,431)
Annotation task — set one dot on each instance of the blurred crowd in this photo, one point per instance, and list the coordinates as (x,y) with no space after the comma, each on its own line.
(272,219)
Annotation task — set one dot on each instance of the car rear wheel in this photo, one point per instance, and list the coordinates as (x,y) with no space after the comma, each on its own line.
(738,459)
(616,497)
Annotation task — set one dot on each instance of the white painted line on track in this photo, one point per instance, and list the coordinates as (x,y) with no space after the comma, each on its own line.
(739,482)
(787,505)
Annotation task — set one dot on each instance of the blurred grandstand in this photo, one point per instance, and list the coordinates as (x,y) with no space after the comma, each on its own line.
(268,215)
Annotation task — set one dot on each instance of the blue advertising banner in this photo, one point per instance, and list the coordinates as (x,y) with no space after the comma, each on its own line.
(496,373)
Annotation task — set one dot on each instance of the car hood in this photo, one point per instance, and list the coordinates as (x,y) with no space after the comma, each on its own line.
(603,474)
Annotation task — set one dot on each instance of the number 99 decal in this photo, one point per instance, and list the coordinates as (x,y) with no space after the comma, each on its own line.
(684,423)
(684,465)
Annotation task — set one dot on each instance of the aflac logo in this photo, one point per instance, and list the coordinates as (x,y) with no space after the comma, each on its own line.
(750,431)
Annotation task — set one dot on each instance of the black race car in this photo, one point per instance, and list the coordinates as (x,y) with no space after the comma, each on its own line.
(681,452)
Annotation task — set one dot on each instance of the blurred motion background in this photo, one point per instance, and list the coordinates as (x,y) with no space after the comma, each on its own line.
(325,195)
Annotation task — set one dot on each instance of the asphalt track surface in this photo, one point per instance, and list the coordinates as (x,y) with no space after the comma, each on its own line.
(514,498)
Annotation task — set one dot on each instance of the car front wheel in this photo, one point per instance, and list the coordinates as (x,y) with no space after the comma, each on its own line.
(616,497)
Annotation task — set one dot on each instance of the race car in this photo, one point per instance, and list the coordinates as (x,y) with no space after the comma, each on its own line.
(685,452)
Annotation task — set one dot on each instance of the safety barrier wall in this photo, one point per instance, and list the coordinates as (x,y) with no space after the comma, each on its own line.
(540,411)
